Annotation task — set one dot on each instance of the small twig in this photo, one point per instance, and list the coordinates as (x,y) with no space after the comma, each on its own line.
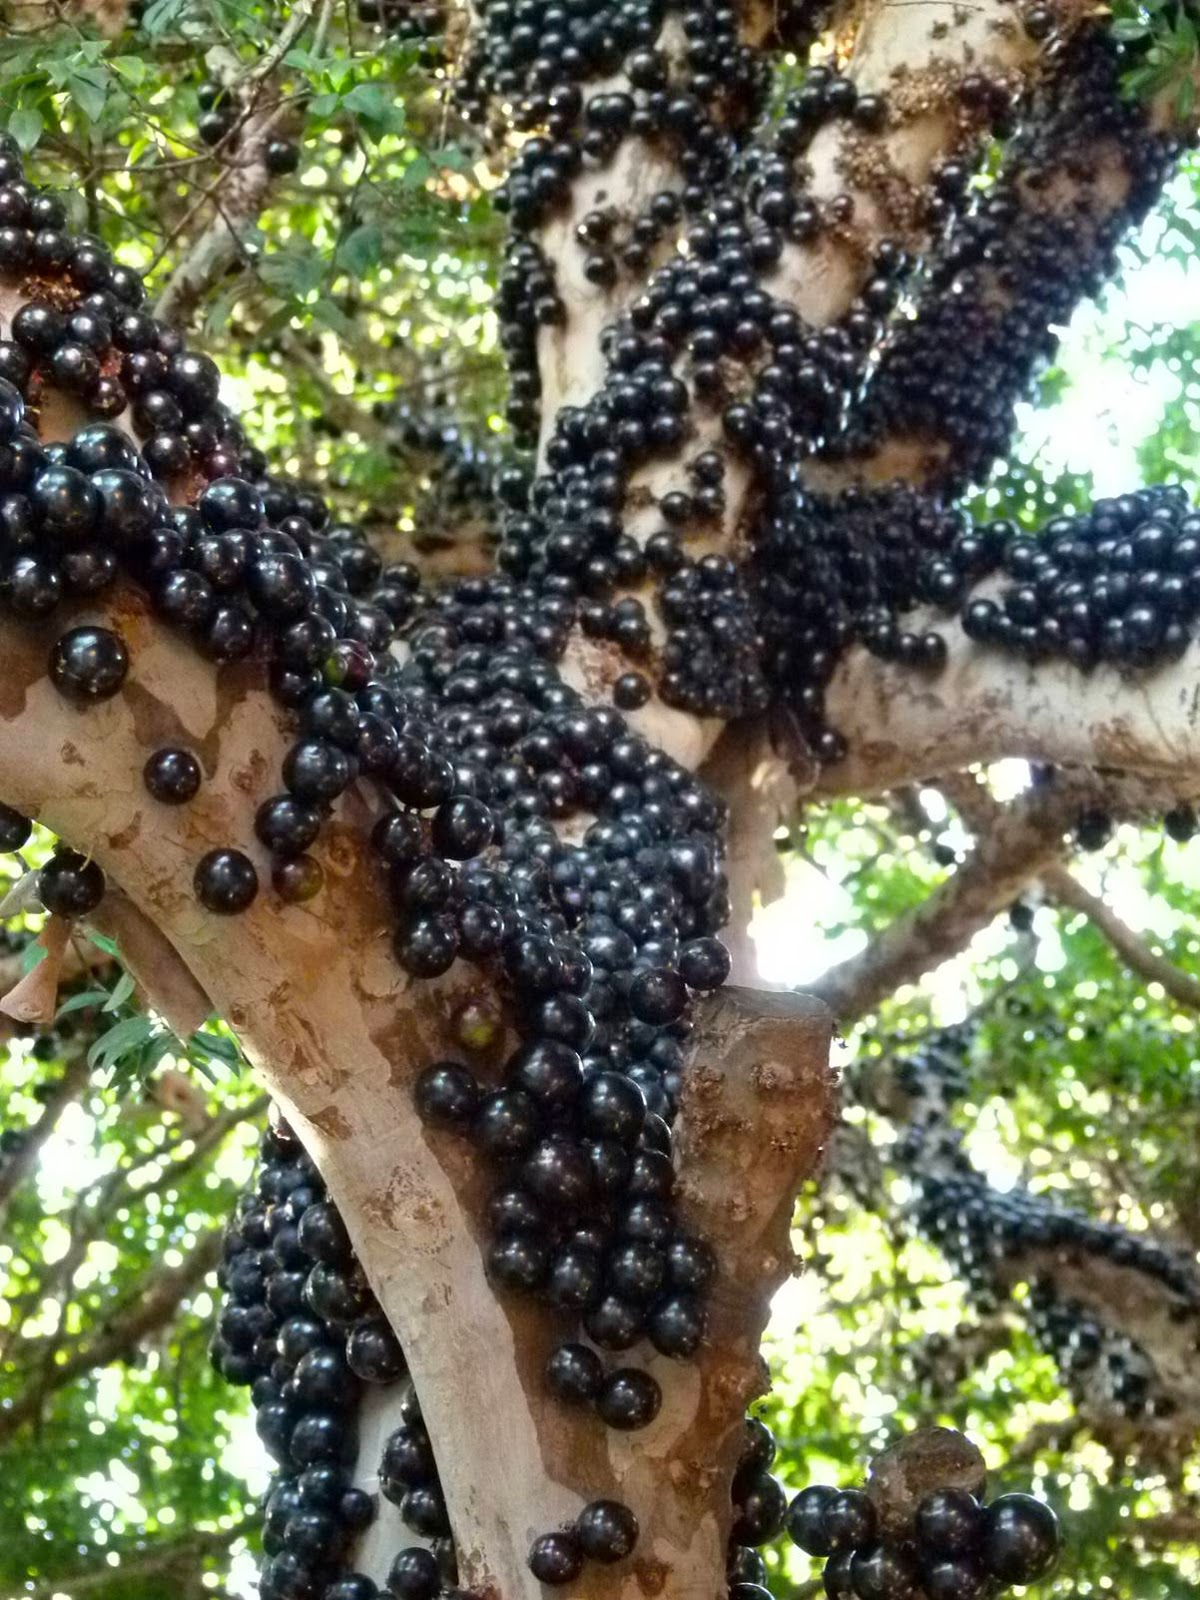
(157,1300)
(144,1562)
(1066,890)
(295,25)
(1025,839)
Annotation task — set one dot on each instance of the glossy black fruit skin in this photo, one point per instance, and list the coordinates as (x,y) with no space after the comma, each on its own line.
(677,1326)
(954,1578)
(15,829)
(760,1511)
(607,1530)
(354,1586)
(281,157)
(850,1519)
(949,1523)
(70,885)
(556,1558)
(414,1575)
(226,882)
(629,1399)
(373,1352)
(745,1566)
(837,1576)
(574,1374)
(1021,1539)
(447,1095)
(66,504)
(89,664)
(883,1572)
(172,777)
(287,826)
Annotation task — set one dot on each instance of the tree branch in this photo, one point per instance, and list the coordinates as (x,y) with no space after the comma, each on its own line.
(904,727)
(155,1305)
(981,811)
(68,1088)
(1083,168)
(237,197)
(145,1561)
(1066,890)
(1023,841)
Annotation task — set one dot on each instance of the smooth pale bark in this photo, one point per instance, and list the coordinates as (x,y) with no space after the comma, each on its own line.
(903,726)
(338,1036)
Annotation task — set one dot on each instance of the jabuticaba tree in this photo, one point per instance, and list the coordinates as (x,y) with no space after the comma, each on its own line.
(1119,1313)
(447,858)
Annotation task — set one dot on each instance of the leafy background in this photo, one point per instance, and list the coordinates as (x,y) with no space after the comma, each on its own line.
(365,284)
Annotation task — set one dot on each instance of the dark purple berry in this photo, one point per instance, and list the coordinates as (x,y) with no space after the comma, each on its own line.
(89,663)
(226,882)
(172,776)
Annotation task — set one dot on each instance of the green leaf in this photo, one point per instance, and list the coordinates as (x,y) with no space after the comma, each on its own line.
(121,993)
(216,1044)
(133,68)
(88,90)
(124,1036)
(103,942)
(81,1002)
(375,111)
(160,15)
(361,251)
(26,128)
(162,1044)
(1126,29)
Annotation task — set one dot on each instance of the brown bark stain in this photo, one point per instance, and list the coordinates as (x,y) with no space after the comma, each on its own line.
(127,835)
(651,1576)
(332,1122)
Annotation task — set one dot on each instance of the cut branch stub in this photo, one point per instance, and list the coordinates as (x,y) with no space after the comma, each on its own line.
(758,1106)
(915,1466)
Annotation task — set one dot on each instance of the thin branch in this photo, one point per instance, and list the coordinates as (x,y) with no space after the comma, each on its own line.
(157,1303)
(68,1088)
(237,196)
(1018,847)
(978,808)
(149,1561)
(295,25)
(1066,890)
